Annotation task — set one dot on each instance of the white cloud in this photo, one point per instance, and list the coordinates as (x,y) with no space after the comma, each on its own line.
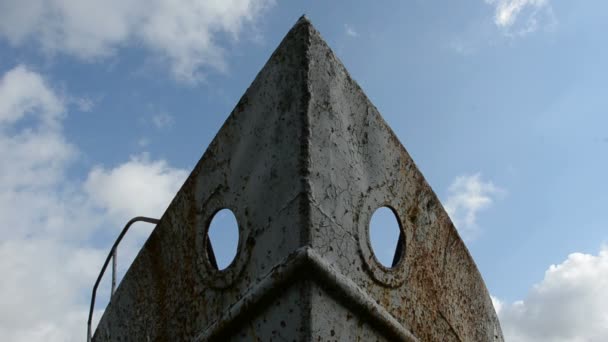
(507,12)
(569,304)
(38,157)
(183,32)
(467,196)
(137,187)
(41,289)
(350,31)
(461,46)
(511,19)
(162,120)
(143,142)
(84,104)
(24,92)
(34,157)
(497,304)
(47,221)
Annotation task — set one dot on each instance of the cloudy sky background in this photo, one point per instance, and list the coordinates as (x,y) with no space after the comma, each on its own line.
(105,107)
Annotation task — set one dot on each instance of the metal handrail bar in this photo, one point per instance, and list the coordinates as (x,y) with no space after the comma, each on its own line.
(112,255)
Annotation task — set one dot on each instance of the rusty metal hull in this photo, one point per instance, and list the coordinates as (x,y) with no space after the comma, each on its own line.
(303,161)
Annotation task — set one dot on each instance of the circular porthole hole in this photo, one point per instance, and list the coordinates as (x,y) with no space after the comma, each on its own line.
(223,239)
(385,237)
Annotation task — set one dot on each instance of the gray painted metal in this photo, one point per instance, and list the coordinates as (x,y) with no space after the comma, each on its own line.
(303,161)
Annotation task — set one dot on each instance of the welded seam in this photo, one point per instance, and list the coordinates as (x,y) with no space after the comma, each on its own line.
(303,263)
(305,134)
(306,228)
(450,325)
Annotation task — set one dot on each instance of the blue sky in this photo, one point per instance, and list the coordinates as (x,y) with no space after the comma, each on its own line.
(502,104)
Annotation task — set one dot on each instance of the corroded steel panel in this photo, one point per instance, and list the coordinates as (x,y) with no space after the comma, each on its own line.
(303,161)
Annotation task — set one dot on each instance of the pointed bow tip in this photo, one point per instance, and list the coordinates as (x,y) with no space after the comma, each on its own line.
(304,18)
(303,21)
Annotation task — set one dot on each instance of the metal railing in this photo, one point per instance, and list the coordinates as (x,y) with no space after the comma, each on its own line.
(112,255)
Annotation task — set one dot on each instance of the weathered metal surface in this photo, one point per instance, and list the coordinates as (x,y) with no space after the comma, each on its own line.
(303,161)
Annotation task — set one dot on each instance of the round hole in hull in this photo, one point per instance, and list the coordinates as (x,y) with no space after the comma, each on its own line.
(223,235)
(386,237)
